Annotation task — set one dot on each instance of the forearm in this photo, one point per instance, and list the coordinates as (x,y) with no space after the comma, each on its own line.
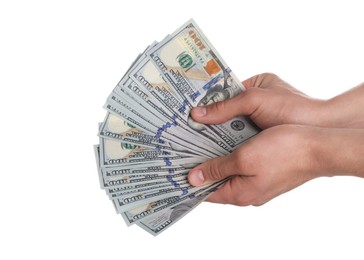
(345,110)
(339,152)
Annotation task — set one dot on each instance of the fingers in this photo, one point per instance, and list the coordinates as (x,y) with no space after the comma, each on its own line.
(213,170)
(244,104)
(223,195)
(250,82)
(260,81)
(215,113)
(269,81)
(239,191)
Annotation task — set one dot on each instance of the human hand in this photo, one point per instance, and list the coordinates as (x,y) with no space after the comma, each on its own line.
(284,156)
(267,165)
(279,159)
(268,101)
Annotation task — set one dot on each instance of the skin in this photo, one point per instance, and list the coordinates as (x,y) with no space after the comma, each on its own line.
(302,139)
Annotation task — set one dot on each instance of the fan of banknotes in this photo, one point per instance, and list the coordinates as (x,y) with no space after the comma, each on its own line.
(149,142)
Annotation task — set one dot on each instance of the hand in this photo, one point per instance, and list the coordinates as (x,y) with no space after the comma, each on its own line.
(279,159)
(268,101)
(284,156)
(267,165)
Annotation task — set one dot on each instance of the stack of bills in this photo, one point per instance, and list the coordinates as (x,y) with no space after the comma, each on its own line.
(148,140)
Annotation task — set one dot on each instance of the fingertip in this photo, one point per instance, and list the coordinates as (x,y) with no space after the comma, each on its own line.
(198,112)
(196,178)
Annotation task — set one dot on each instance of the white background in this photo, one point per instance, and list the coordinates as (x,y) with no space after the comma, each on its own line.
(60,59)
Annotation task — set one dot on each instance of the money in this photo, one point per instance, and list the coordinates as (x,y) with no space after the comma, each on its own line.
(115,153)
(160,221)
(148,140)
(116,128)
(191,65)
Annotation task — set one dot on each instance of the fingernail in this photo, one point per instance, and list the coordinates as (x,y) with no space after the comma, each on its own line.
(200,111)
(196,178)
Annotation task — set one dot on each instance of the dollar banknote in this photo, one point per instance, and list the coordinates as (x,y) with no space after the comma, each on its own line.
(162,220)
(114,153)
(195,70)
(148,141)
(116,128)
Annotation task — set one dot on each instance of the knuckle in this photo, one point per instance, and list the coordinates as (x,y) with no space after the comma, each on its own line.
(215,172)
(258,80)
(266,79)
(218,106)
(269,75)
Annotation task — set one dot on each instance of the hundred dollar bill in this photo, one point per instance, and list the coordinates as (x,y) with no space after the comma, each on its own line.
(127,180)
(137,214)
(116,128)
(148,78)
(120,183)
(129,89)
(139,182)
(146,74)
(116,191)
(129,151)
(136,200)
(110,181)
(176,189)
(169,121)
(152,186)
(110,172)
(192,66)
(130,175)
(160,221)
(114,153)
(155,124)
(134,215)
(120,107)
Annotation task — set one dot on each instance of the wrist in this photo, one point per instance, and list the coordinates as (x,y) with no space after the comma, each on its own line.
(320,114)
(332,115)
(345,110)
(338,152)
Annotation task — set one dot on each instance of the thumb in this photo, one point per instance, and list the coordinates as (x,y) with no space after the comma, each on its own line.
(211,171)
(243,104)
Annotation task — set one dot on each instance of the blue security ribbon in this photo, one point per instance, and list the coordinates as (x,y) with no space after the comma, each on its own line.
(165,127)
(213,82)
(183,107)
(167,161)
